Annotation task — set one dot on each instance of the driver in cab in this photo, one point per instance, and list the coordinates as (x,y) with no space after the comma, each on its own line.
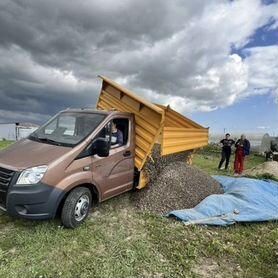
(116,137)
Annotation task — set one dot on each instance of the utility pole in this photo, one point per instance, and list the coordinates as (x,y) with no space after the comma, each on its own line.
(16,131)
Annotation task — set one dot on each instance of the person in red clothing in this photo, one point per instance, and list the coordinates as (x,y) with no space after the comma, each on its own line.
(242,149)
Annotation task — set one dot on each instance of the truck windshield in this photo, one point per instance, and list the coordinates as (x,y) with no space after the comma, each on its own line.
(67,128)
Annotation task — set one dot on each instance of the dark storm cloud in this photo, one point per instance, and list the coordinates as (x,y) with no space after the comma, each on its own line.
(76,37)
(177,51)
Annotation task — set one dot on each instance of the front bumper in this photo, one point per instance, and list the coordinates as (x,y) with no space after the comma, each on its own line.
(36,201)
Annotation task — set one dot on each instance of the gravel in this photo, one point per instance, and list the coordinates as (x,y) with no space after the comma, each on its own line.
(174,185)
(156,163)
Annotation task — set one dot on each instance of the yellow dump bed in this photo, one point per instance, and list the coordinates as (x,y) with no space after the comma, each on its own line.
(180,133)
(153,122)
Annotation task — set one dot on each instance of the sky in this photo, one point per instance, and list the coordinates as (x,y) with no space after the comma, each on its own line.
(214,61)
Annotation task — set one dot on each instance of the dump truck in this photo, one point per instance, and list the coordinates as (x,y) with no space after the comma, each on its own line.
(75,159)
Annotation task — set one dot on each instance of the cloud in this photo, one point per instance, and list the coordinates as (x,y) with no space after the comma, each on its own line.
(28,117)
(263,67)
(172,52)
(263,127)
(30,88)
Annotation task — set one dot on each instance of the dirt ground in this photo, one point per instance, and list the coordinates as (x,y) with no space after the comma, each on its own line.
(268,167)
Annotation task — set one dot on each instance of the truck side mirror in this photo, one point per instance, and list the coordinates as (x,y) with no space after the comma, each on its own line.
(101,147)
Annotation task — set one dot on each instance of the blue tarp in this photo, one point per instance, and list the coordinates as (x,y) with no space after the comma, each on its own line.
(244,200)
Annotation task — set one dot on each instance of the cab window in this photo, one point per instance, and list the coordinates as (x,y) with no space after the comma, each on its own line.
(119,132)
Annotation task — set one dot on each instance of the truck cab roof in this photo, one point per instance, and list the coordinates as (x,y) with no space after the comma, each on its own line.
(91,110)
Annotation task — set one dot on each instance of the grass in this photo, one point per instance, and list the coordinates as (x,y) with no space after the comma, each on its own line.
(5,144)
(119,241)
(209,162)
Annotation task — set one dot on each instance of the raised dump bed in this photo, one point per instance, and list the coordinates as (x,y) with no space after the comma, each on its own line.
(180,133)
(154,123)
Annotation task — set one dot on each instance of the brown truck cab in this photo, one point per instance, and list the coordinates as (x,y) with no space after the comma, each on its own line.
(85,155)
(69,161)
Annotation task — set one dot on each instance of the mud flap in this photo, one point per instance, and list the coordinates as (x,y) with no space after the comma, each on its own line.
(143,180)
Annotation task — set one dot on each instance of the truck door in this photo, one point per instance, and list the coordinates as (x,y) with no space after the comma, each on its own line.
(114,174)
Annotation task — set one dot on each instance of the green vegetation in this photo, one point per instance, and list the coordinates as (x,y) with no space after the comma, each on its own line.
(5,143)
(119,241)
(265,176)
(209,162)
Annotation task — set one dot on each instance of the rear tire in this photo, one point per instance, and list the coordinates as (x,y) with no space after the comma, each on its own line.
(76,207)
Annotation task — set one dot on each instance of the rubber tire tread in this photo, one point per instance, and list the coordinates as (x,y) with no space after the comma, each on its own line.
(67,216)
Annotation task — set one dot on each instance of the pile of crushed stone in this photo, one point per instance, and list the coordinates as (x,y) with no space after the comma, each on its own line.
(268,167)
(156,162)
(176,186)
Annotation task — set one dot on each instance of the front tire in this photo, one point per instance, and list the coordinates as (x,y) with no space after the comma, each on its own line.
(76,207)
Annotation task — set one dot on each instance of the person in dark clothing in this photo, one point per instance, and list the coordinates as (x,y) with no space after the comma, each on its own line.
(242,149)
(117,137)
(226,151)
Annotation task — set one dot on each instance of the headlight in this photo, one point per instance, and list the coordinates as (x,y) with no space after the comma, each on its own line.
(32,175)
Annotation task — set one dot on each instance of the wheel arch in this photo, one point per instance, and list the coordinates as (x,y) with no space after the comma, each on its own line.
(93,189)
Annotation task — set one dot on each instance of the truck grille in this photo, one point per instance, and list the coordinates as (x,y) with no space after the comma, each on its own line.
(6,176)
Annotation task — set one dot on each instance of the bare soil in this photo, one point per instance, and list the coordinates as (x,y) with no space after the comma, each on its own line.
(268,167)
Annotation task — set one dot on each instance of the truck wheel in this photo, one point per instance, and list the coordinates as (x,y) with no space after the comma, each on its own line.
(76,207)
